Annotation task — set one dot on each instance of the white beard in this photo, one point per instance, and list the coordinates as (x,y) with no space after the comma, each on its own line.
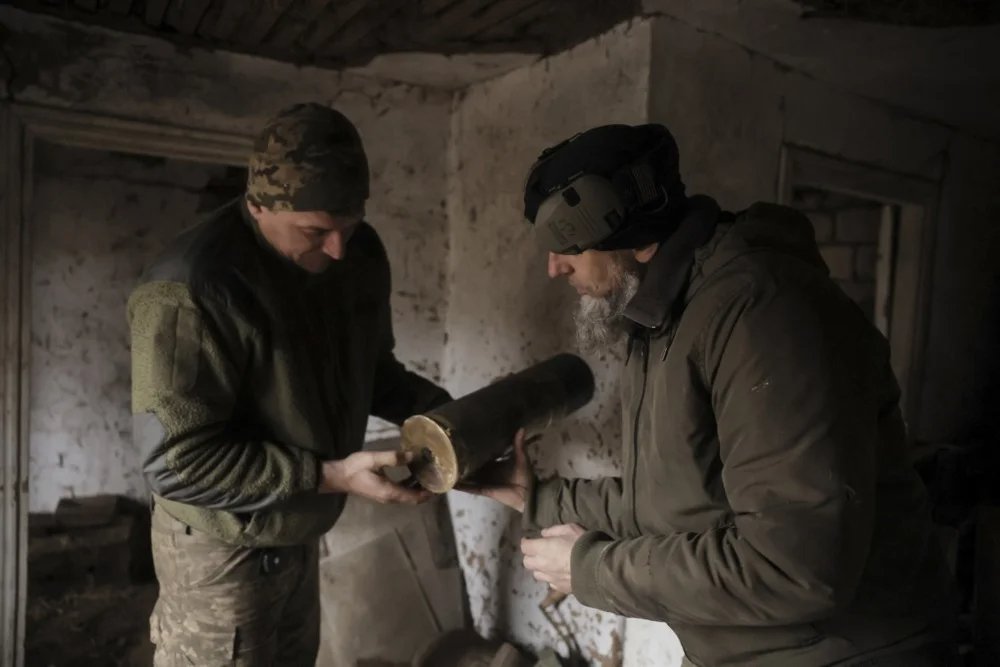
(600,321)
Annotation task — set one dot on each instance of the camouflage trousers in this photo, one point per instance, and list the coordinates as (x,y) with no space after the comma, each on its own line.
(222,604)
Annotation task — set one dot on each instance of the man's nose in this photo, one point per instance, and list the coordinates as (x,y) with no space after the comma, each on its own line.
(558,266)
(335,244)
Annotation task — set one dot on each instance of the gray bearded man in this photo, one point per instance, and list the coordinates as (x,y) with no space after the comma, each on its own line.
(766,508)
(600,321)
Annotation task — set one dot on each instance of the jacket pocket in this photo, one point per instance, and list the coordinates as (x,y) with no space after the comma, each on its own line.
(186,558)
(183,639)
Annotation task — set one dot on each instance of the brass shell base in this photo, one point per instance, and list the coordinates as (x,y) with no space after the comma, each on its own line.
(435,464)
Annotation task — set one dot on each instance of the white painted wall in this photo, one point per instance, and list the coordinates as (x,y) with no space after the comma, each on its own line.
(504,313)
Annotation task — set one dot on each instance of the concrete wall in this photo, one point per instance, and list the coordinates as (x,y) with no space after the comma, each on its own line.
(504,313)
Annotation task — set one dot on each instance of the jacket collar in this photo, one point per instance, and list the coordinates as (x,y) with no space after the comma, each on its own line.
(262,242)
(669,270)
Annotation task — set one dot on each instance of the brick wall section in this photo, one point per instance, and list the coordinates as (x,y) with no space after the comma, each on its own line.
(847,233)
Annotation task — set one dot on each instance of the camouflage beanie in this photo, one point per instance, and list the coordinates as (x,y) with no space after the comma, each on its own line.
(309,158)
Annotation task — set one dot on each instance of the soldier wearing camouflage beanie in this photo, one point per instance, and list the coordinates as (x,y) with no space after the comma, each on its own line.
(309,158)
(261,343)
(307,184)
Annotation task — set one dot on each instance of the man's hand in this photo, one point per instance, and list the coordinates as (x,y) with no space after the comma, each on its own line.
(549,557)
(505,482)
(361,474)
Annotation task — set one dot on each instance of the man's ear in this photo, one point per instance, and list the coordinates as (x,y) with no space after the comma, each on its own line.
(643,255)
(255,209)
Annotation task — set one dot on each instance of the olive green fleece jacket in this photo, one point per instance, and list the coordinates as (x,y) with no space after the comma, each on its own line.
(766,508)
(248,372)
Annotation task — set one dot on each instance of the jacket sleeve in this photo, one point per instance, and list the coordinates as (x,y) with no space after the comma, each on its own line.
(188,365)
(798,430)
(595,504)
(400,393)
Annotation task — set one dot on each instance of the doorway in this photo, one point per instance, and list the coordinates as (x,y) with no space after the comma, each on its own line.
(874,230)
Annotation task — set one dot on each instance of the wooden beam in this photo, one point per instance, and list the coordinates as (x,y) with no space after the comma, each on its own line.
(99,510)
(186,15)
(15,178)
(294,23)
(364,29)
(474,18)
(257,25)
(85,130)
(330,23)
(506,12)
(120,7)
(222,19)
(533,21)
(155,10)
(431,8)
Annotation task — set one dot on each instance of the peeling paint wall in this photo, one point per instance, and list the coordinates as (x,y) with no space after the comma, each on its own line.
(404,128)
(504,313)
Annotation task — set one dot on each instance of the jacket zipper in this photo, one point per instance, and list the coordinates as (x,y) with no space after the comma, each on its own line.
(643,341)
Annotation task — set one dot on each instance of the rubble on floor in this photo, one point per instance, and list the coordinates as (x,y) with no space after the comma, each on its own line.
(90,584)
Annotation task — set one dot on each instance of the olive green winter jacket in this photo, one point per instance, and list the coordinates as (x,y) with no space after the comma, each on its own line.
(248,372)
(766,510)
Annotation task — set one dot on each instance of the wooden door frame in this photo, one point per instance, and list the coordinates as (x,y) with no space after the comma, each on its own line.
(918,196)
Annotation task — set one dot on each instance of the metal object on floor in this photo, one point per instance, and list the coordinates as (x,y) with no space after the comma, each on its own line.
(456,439)
(550,609)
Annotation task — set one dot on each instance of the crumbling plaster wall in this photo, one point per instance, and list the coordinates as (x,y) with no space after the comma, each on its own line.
(405,130)
(504,313)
